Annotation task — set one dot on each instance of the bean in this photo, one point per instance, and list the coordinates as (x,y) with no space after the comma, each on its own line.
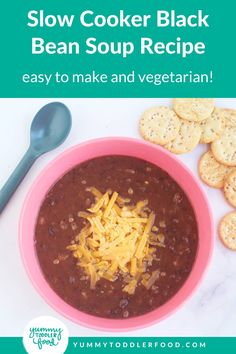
(123,303)
(52,230)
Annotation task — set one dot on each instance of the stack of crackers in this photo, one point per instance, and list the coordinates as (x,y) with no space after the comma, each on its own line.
(196,120)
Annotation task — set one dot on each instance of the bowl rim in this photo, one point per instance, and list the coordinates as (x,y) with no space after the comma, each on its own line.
(117,325)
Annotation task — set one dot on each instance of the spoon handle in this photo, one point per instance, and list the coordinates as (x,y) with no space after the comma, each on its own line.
(16,177)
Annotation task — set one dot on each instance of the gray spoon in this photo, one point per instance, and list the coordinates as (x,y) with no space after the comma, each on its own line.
(49,129)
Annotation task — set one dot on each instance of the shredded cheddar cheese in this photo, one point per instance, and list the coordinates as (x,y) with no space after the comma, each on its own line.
(117,241)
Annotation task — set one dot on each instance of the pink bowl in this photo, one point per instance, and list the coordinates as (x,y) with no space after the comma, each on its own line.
(115,146)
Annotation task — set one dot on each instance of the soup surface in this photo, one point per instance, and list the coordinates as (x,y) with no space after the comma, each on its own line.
(131,251)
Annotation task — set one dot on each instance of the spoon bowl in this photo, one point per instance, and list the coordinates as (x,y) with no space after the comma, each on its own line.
(50,127)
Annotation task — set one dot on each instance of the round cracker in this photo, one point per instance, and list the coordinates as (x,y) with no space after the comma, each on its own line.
(187,138)
(213,126)
(159,125)
(230,117)
(230,188)
(224,148)
(193,109)
(211,171)
(227,230)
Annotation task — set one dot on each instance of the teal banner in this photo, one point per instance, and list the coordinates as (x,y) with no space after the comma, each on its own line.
(204,345)
(118,48)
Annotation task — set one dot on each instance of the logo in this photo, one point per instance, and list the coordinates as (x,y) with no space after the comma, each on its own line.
(45,335)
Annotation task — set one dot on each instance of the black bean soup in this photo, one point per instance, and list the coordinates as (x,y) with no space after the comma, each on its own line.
(59,223)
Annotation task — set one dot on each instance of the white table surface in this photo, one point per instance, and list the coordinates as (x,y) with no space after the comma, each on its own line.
(211,311)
